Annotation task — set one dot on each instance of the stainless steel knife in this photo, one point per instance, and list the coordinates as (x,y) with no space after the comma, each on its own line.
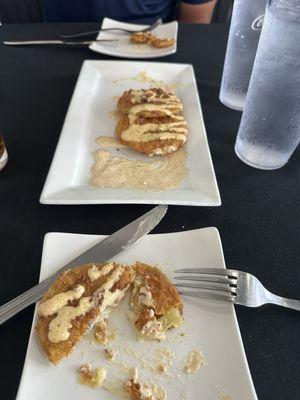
(101,252)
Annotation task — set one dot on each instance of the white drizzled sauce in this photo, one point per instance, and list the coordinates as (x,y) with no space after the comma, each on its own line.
(152,96)
(103,298)
(150,132)
(53,305)
(115,172)
(95,273)
(159,104)
(60,325)
(142,76)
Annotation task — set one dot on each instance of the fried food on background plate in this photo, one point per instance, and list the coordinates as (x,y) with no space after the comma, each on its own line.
(161,43)
(141,37)
(150,38)
(75,301)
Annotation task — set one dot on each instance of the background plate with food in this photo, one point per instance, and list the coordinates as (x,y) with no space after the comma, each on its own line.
(127,48)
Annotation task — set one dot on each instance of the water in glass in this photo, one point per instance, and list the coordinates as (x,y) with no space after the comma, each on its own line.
(246,22)
(270,127)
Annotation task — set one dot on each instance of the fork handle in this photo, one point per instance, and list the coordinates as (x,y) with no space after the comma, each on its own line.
(282,301)
(88,33)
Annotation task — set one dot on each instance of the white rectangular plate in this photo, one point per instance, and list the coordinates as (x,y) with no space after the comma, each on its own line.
(209,326)
(123,48)
(88,117)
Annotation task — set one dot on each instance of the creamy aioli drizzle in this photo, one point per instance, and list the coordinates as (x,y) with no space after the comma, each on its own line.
(111,299)
(139,96)
(60,300)
(111,171)
(159,104)
(94,273)
(166,109)
(149,132)
(114,172)
(144,77)
(60,325)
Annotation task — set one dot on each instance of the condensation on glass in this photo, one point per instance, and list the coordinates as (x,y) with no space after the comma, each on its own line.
(270,126)
(245,28)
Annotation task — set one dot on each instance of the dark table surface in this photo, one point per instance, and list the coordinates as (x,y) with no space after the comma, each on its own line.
(258,220)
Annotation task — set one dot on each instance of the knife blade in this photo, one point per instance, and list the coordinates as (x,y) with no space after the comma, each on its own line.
(101,252)
(59,42)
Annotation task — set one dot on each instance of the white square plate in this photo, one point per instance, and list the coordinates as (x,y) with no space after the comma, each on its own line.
(88,117)
(209,326)
(123,48)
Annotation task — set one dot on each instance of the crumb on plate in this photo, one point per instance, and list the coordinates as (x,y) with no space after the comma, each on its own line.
(193,362)
(109,354)
(89,377)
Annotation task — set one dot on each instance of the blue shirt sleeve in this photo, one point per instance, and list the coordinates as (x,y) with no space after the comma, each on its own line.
(196,1)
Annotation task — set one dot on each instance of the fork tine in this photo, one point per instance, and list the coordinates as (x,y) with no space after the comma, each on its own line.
(207,295)
(207,286)
(215,279)
(209,271)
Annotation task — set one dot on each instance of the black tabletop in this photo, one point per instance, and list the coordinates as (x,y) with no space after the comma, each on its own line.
(258,220)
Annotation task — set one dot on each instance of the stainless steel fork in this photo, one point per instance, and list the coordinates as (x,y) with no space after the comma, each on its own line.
(237,287)
(87,33)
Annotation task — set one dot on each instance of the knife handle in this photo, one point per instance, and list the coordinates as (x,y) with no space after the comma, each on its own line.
(18,304)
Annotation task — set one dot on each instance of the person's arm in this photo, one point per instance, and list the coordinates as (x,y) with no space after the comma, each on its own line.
(196,13)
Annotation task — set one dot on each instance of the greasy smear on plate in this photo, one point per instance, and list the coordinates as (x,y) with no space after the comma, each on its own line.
(89,377)
(144,77)
(194,361)
(101,333)
(118,172)
(115,114)
(111,142)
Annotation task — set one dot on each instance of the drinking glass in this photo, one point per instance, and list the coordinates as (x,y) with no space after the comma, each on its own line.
(270,126)
(245,28)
